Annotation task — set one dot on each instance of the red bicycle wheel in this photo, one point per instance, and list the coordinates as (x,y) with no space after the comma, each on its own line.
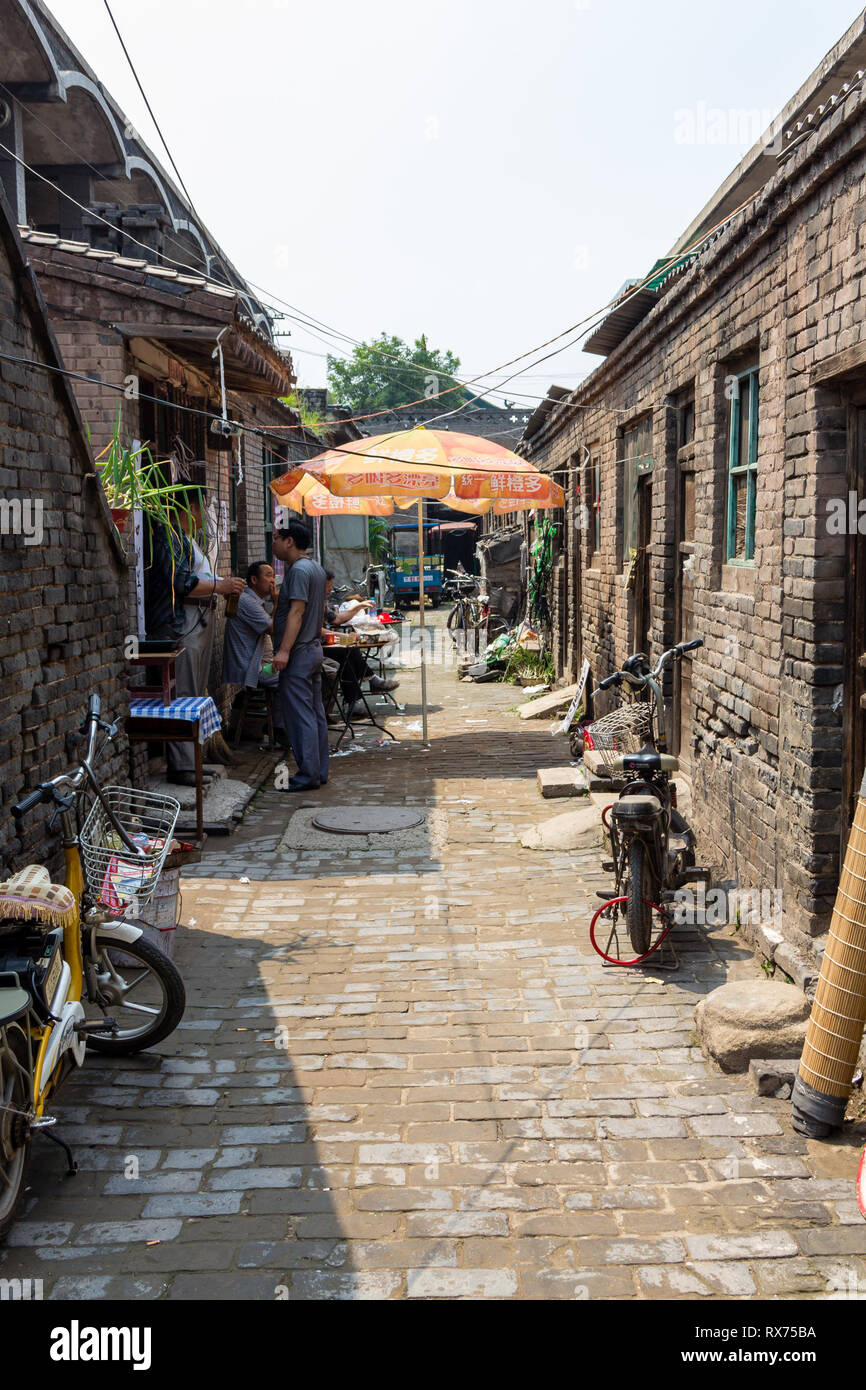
(637,960)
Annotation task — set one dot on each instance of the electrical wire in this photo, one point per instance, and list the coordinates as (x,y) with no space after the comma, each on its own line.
(150,111)
(425,400)
(263,432)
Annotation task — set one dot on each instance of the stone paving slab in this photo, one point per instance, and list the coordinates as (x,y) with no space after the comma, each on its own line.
(407,1075)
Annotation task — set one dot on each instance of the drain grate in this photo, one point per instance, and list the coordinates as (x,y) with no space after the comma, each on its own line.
(366,820)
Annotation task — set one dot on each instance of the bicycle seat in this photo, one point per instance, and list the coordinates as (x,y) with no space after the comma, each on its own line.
(637,665)
(30,896)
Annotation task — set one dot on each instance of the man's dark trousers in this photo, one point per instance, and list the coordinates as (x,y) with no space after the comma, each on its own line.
(300,692)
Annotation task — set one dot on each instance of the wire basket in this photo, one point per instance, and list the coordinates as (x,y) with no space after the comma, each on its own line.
(624,730)
(114,877)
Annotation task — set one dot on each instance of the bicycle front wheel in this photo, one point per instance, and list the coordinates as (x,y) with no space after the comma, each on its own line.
(141,989)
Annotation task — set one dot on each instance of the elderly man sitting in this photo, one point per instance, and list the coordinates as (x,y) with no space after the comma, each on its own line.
(246,634)
(244,642)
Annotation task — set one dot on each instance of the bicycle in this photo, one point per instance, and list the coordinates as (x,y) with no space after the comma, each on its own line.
(69,955)
(471,614)
(653,848)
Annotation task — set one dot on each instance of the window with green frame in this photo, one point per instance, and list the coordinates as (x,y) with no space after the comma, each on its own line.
(743,470)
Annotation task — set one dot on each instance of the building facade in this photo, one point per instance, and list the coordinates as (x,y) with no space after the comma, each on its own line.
(66,586)
(160,334)
(713,467)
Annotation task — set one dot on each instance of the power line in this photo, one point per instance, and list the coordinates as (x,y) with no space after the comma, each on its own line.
(581,324)
(150,111)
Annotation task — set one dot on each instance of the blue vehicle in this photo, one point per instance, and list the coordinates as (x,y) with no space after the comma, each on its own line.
(402,563)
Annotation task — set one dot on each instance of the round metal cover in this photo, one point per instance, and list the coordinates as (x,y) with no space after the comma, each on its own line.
(366,820)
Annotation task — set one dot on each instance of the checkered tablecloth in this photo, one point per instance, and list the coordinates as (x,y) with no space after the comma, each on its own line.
(199,707)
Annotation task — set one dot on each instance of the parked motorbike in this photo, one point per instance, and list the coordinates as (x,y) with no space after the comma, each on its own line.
(653,849)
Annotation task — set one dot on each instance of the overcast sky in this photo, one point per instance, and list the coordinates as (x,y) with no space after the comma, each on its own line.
(484,171)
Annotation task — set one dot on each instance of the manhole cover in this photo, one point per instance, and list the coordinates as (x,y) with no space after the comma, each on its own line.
(366,820)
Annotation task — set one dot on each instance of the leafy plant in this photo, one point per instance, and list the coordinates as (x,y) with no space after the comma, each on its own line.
(310,419)
(132,480)
(539,665)
(377,539)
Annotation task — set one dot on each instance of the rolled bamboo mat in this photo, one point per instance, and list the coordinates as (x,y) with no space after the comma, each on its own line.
(839,1009)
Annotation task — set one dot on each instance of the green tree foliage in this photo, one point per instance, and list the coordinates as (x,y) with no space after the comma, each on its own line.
(387,372)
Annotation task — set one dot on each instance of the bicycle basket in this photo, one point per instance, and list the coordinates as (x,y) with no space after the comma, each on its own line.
(624,730)
(114,878)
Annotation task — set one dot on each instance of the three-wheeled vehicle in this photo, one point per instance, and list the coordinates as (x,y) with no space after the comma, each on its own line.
(402,562)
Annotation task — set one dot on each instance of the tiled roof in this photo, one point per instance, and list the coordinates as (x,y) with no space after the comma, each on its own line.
(150,268)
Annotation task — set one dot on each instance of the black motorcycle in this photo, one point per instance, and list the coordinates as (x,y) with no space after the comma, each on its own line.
(653,849)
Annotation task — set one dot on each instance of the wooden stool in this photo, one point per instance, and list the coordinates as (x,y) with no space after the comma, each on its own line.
(242,709)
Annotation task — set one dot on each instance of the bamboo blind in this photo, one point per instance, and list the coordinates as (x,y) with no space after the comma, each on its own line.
(839,1008)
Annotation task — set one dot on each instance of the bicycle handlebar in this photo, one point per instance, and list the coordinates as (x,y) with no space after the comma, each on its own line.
(672,654)
(31,800)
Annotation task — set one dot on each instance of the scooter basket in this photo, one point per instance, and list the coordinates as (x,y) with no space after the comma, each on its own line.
(114,876)
(624,730)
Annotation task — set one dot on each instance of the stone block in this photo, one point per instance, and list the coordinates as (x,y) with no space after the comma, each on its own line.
(580,829)
(751,1018)
(561,781)
(769,1075)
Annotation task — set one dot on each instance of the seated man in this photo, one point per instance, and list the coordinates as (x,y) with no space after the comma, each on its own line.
(244,641)
(246,633)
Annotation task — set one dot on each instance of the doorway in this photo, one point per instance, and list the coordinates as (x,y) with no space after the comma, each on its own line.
(643,567)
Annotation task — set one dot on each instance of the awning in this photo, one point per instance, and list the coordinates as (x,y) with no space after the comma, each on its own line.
(252,364)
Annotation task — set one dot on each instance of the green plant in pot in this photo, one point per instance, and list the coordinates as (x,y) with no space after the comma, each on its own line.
(133,480)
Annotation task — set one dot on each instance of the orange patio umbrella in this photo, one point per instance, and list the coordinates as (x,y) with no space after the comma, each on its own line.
(466,471)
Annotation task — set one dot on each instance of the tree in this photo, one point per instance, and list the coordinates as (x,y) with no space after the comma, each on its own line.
(387,372)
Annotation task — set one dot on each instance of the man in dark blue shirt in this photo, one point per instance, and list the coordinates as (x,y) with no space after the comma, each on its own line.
(298,655)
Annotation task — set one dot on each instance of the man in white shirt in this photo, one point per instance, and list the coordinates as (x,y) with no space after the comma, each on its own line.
(181,591)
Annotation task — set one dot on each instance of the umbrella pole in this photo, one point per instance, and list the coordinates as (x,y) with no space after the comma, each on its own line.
(421,612)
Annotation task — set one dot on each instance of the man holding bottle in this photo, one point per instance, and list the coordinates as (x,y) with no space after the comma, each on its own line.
(180,598)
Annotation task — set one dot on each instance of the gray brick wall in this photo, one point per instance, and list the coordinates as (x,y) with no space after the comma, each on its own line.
(63,602)
(781,285)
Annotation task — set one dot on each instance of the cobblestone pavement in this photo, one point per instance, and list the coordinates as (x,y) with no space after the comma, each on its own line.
(409,1076)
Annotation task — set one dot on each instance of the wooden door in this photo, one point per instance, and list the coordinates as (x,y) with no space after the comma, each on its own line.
(643,567)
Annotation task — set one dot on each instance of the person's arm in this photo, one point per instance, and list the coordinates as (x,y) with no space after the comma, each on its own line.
(346,617)
(186,585)
(206,588)
(293,627)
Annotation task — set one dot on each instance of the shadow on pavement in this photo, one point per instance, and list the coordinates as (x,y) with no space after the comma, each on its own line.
(198,1174)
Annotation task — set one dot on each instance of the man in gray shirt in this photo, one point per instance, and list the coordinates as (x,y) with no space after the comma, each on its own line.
(298,655)
(244,641)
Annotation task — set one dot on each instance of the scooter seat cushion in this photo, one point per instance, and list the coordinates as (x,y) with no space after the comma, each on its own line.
(635,806)
(30,896)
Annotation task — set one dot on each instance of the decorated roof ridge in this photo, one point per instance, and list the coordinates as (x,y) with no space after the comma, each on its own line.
(54,242)
(803,128)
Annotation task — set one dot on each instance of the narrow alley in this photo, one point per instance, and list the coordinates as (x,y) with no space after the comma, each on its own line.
(404,1073)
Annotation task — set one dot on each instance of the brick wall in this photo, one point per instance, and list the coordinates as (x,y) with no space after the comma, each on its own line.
(64,601)
(781,286)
